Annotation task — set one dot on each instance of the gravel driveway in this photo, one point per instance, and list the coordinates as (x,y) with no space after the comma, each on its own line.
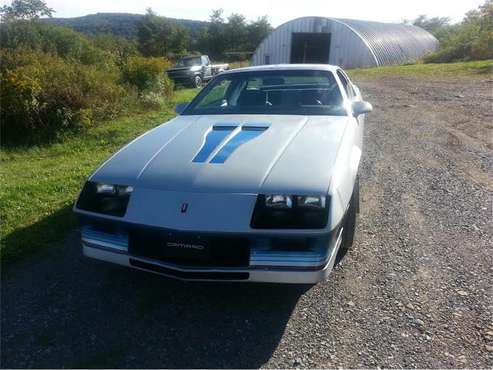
(416,290)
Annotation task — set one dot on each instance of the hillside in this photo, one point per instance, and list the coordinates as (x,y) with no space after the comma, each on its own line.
(119,24)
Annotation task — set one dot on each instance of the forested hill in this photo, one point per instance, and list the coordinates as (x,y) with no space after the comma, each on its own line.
(119,24)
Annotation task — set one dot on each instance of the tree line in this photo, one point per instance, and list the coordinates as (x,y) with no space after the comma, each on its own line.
(227,38)
(231,38)
(470,39)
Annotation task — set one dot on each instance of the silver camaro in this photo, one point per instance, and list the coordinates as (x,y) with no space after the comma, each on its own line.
(256,179)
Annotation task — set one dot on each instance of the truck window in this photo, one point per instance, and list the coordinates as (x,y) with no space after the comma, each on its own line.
(188,62)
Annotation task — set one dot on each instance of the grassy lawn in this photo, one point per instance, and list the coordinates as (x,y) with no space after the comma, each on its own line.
(482,68)
(40,184)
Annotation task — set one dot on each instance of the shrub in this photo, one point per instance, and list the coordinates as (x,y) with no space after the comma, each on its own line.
(120,48)
(42,95)
(148,77)
(145,73)
(472,39)
(53,79)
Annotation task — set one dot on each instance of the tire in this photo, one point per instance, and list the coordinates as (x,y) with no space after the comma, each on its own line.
(349,224)
(356,189)
(197,81)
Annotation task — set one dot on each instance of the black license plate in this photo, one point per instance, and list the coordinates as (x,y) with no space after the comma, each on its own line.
(185,249)
(189,249)
(170,247)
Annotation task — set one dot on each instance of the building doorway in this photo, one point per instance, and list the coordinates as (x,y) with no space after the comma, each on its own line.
(312,48)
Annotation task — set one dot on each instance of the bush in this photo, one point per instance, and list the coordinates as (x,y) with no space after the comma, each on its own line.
(54,79)
(42,95)
(51,39)
(148,77)
(120,48)
(472,39)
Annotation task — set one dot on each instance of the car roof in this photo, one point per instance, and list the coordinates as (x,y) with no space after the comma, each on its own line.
(285,67)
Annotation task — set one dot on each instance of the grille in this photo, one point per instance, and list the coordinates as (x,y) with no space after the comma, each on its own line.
(191,274)
(190,250)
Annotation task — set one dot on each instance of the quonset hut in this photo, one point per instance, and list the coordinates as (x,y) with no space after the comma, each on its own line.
(345,42)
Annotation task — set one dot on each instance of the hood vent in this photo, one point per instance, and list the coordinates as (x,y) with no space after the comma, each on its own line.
(222,140)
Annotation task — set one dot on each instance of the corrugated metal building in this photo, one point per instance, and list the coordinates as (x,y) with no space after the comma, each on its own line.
(345,42)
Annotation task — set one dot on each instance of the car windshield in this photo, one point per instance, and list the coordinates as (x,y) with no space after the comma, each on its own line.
(303,92)
(188,62)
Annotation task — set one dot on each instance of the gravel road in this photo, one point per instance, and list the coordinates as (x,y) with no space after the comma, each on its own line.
(415,291)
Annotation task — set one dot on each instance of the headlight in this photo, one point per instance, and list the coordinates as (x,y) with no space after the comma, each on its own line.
(105,189)
(103,198)
(279,201)
(276,211)
(311,201)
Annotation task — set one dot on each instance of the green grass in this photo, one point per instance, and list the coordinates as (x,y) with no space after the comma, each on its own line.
(482,68)
(40,184)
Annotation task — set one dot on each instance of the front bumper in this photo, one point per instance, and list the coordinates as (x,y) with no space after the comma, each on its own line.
(284,267)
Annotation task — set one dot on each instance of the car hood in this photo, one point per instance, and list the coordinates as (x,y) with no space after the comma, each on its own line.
(263,154)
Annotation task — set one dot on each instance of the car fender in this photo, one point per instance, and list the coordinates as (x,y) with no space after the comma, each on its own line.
(344,172)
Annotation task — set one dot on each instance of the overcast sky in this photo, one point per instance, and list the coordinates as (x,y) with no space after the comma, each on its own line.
(278,11)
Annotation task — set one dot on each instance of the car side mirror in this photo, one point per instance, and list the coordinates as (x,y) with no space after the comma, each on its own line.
(180,107)
(361,107)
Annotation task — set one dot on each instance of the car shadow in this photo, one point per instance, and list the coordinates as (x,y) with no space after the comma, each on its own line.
(63,310)
(35,238)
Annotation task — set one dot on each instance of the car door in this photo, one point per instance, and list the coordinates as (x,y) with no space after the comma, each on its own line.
(353,95)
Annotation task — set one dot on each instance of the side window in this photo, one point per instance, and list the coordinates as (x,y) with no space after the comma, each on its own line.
(217,96)
(347,86)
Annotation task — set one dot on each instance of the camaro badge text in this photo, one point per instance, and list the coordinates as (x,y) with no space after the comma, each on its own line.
(185,246)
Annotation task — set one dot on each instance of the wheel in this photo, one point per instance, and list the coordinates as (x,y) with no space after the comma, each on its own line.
(349,224)
(197,81)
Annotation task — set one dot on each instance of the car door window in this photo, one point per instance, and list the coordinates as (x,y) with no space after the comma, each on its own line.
(217,96)
(347,85)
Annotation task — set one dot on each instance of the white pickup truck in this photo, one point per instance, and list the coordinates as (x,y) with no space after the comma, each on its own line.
(195,70)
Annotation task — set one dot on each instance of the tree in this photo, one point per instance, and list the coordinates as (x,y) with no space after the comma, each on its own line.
(471,39)
(257,31)
(215,41)
(437,26)
(476,32)
(157,36)
(25,9)
(235,32)
(235,36)
(120,47)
